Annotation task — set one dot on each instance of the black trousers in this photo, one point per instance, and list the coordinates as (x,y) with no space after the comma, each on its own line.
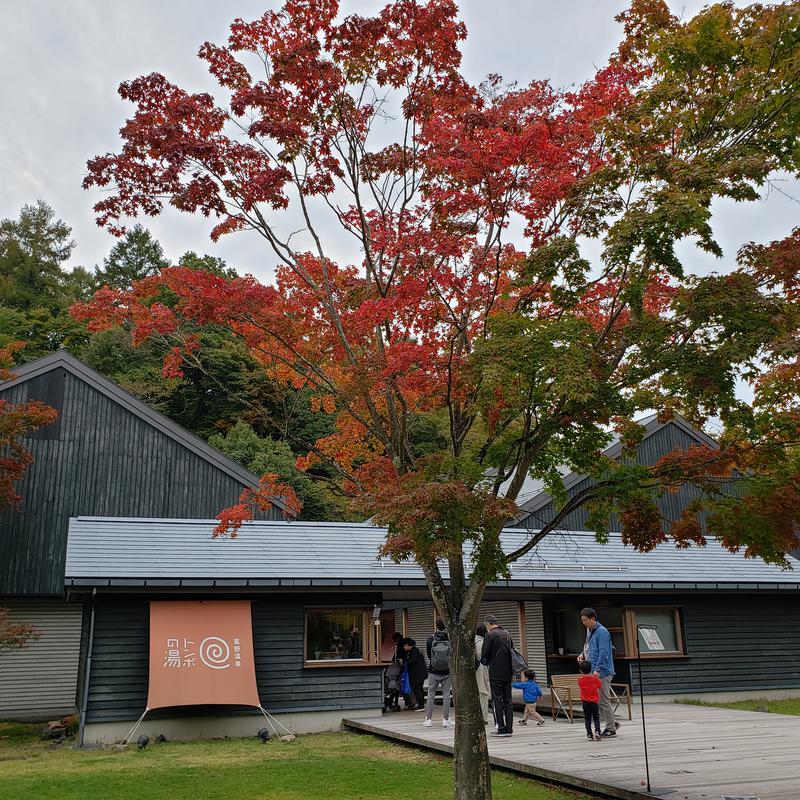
(501,704)
(591,713)
(418,696)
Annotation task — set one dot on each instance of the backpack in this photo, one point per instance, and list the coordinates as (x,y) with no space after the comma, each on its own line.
(518,663)
(440,655)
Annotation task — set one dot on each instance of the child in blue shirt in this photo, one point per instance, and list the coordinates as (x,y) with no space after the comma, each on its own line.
(531,694)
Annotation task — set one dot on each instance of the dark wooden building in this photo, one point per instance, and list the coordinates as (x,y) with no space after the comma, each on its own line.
(108,454)
(118,510)
(728,624)
(658,439)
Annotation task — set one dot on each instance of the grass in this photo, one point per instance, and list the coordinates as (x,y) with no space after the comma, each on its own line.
(317,767)
(786,706)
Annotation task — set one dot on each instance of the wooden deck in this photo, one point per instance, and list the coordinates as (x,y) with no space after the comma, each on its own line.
(695,753)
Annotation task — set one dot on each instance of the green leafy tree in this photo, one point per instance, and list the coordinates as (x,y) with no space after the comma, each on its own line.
(33,248)
(212,264)
(78,284)
(137,255)
(263,455)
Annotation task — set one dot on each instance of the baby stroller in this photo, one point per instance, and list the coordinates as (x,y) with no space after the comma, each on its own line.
(391,686)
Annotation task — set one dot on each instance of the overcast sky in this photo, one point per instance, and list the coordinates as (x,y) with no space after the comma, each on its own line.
(61,62)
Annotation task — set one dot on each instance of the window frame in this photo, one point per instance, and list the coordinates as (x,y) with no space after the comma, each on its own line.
(367,635)
(632,637)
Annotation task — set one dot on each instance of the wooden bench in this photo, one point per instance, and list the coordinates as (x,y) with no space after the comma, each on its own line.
(565,694)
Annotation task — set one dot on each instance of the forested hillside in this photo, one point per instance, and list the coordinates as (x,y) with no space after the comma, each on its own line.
(223,396)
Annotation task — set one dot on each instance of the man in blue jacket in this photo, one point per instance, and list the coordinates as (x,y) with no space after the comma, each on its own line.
(599,653)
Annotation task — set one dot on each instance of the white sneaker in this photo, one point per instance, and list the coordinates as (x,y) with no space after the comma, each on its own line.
(446,723)
(428,723)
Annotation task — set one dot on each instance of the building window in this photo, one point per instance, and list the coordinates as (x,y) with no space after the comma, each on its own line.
(570,635)
(336,635)
(666,622)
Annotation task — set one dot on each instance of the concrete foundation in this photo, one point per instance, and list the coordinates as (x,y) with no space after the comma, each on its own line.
(222,727)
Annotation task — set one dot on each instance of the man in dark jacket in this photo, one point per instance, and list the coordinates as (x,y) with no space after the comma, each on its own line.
(417,672)
(497,646)
(438,674)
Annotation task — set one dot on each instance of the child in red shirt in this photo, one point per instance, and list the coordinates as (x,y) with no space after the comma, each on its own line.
(590,697)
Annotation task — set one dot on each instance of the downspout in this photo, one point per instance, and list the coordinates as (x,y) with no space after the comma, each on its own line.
(87,672)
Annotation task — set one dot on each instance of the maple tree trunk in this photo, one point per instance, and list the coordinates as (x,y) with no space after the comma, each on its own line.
(471,771)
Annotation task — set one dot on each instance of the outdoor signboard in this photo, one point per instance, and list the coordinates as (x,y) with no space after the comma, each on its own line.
(651,638)
(201,653)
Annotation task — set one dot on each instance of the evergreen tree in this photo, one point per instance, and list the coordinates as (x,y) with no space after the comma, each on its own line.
(32,250)
(137,255)
(263,455)
(212,264)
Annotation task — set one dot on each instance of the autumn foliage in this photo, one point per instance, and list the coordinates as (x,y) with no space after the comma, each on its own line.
(15,635)
(468,299)
(443,310)
(17,420)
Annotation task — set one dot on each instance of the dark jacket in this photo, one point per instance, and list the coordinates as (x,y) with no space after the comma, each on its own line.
(442,637)
(496,656)
(417,671)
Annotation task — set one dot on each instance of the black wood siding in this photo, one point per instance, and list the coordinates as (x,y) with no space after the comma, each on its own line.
(118,679)
(104,461)
(650,450)
(741,642)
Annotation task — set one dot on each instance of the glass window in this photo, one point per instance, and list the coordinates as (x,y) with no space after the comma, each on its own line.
(664,622)
(335,635)
(610,617)
(618,642)
(572,634)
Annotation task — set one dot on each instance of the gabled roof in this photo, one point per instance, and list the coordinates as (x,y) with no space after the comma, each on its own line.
(124,552)
(537,498)
(62,359)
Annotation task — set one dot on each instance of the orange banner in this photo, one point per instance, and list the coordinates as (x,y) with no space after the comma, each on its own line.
(201,653)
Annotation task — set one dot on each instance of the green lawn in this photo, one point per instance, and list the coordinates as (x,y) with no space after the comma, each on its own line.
(322,766)
(790,706)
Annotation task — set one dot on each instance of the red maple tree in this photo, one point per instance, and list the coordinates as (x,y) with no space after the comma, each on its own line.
(468,301)
(16,421)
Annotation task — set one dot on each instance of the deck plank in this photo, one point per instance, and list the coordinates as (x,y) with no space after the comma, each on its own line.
(695,753)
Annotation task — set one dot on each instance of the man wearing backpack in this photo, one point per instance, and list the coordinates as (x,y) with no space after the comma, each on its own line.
(497,647)
(438,674)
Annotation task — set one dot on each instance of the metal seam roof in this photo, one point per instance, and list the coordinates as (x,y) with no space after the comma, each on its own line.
(177,551)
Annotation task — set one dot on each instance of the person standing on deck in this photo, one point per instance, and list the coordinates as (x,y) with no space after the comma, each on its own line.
(439,675)
(497,646)
(482,674)
(598,651)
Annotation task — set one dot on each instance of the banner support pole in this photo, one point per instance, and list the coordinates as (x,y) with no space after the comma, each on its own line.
(127,740)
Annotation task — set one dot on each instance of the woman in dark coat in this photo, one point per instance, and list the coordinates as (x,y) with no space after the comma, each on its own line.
(417,673)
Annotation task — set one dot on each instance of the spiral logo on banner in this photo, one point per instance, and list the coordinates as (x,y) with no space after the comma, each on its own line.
(215,652)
